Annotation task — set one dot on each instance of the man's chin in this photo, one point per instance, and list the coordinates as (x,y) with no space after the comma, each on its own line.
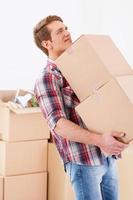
(68,45)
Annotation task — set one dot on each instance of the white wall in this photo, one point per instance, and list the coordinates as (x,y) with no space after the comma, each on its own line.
(117,21)
(21,61)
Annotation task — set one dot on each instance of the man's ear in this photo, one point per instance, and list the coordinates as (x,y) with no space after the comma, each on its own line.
(46,44)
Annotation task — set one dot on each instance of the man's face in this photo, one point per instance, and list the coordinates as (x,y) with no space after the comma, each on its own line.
(60,37)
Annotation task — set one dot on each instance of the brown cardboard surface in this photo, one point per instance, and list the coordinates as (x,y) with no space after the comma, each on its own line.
(110,108)
(58,183)
(76,64)
(6,95)
(69,194)
(23,157)
(125,166)
(111,56)
(17,124)
(91,62)
(26,187)
(126,83)
(1,188)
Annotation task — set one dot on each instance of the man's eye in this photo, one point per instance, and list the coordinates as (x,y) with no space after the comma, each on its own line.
(59,31)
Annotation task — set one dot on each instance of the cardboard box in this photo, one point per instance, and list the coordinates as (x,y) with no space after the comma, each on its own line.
(1,188)
(125,166)
(110,108)
(26,187)
(91,62)
(23,157)
(69,194)
(59,187)
(21,123)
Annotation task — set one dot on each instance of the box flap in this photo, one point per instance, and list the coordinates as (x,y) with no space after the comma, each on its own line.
(9,95)
(24,110)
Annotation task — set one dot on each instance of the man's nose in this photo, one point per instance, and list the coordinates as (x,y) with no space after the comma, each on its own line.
(66,33)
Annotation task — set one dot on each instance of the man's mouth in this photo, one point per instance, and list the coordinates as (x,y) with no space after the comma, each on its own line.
(68,40)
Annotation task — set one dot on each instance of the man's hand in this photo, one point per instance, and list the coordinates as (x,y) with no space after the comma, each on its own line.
(110,145)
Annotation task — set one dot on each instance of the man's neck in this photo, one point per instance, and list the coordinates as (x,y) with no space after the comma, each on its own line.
(54,56)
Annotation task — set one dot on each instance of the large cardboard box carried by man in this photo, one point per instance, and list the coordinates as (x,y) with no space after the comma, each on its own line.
(102,80)
(110,108)
(90,62)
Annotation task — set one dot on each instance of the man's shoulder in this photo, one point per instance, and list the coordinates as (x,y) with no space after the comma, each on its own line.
(49,75)
(46,72)
(42,82)
(52,71)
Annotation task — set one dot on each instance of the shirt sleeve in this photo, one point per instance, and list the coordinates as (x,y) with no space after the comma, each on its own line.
(48,93)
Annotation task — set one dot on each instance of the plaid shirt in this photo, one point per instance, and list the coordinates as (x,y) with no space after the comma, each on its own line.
(57,99)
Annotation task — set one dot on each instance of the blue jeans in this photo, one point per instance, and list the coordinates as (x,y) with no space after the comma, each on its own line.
(94,182)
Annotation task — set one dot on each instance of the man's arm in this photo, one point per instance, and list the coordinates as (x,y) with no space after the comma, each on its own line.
(50,100)
(106,142)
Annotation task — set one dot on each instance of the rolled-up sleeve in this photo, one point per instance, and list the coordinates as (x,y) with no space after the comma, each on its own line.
(48,93)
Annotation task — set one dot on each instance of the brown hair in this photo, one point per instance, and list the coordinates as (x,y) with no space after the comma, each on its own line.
(41,31)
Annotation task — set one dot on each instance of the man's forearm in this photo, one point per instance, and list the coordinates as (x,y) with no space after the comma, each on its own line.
(74,132)
(106,142)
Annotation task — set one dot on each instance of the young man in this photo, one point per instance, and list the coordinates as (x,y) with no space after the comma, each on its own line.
(93,176)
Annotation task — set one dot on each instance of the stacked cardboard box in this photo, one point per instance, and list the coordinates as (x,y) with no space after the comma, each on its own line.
(59,187)
(1,188)
(102,80)
(23,152)
(126,174)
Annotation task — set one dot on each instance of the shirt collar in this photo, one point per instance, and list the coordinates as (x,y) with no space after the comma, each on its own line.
(51,64)
(50,60)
